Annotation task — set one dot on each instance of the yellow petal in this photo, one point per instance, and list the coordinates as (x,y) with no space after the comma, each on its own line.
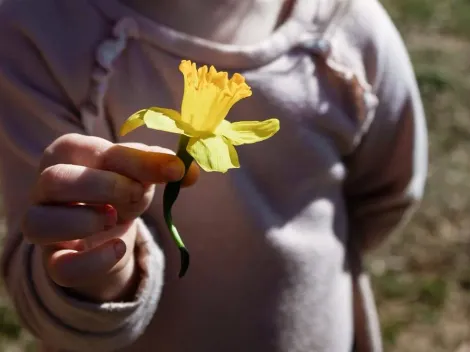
(154,118)
(247,132)
(213,153)
(136,120)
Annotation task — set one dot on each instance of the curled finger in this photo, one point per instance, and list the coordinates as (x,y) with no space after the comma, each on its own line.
(69,268)
(48,224)
(62,183)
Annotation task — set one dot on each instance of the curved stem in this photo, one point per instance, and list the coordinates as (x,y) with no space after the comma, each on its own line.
(170,194)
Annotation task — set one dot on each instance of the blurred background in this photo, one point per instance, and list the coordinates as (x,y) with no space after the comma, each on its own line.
(422,276)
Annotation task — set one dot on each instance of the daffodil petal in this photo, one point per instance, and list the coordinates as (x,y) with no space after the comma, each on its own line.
(154,118)
(135,121)
(213,153)
(247,132)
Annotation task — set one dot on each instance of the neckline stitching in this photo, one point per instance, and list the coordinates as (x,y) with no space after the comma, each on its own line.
(285,37)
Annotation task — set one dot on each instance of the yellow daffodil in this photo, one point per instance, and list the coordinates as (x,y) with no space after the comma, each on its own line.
(206,136)
(208,97)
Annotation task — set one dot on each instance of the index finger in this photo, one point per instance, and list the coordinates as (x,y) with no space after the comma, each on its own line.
(136,161)
(148,165)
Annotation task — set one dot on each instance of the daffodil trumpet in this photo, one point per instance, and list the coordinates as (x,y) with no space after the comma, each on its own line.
(206,137)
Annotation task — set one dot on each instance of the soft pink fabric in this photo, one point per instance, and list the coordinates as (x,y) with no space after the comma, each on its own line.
(276,245)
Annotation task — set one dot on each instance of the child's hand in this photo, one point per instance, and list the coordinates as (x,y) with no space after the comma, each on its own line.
(116,184)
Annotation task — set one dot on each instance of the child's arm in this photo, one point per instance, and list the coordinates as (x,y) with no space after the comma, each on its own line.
(387,172)
(34,111)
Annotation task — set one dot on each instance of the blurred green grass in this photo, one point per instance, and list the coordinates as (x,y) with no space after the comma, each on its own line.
(421,277)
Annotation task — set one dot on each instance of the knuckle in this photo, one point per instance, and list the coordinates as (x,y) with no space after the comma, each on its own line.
(58,272)
(66,142)
(52,179)
(63,268)
(62,146)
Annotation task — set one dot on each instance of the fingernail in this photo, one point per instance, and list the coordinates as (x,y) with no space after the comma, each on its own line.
(111,217)
(119,249)
(174,170)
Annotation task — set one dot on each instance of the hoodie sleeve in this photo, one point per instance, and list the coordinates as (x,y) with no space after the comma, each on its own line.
(35,109)
(387,170)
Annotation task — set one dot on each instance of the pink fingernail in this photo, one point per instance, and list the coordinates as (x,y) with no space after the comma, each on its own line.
(111,216)
(119,249)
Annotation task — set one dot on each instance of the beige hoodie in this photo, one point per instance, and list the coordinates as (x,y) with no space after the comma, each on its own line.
(293,223)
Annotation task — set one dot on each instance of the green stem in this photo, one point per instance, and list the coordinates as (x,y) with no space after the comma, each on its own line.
(170,195)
